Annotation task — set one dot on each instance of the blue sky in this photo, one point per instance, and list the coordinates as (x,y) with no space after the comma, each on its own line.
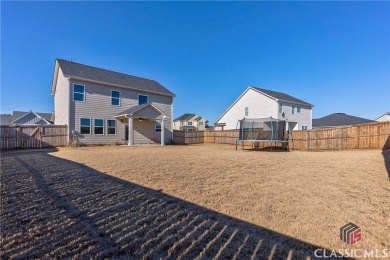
(335,55)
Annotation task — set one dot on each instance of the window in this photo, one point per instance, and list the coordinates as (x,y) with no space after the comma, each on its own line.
(142,99)
(85,126)
(111,127)
(298,109)
(293,109)
(158,127)
(246,111)
(280,107)
(304,127)
(200,123)
(189,123)
(78,92)
(98,127)
(115,98)
(182,122)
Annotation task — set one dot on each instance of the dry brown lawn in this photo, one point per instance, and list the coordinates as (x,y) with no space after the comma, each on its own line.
(286,202)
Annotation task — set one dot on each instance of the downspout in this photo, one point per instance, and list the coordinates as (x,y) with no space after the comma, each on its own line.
(69,102)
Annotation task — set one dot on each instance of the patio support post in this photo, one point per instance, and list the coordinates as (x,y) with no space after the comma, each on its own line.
(131,131)
(162,131)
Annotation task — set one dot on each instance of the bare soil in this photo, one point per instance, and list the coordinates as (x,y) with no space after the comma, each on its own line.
(190,201)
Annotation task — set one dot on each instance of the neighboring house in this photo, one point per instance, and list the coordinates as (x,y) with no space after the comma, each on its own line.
(6,119)
(383,118)
(190,122)
(261,103)
(102,106)
(338,120)
(26,118)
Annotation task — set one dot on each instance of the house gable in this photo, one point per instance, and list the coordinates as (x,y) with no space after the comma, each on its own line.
(30,118)
(250,97)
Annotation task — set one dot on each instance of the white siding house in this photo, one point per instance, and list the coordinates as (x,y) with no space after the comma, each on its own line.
(101,106)
(383,118)
(261,103)
(190,122)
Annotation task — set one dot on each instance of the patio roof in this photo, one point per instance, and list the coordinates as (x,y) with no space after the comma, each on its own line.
(147,110)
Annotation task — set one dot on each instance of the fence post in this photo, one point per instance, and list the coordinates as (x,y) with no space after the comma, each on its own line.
(40,136)
(17,137)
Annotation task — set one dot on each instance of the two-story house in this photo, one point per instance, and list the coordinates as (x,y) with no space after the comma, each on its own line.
(190,122)
(102,106)
(262,103)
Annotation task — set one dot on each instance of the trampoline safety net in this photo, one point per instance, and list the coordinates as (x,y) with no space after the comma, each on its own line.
(263,129)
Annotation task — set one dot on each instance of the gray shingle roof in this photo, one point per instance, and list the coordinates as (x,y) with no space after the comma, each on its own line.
(132,109)
(18,114)
(339,119)
(282,96)
(184,117)
(73,69)
(5,119)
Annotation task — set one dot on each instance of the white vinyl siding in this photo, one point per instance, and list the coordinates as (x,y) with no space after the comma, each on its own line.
(61,100)
(261,106)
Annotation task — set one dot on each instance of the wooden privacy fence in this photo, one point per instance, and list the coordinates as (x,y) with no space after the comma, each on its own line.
(366,136)
(32,136)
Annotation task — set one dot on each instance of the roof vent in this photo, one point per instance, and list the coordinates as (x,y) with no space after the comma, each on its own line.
(340,113)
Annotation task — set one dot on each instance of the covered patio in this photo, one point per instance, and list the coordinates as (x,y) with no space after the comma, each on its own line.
(147,112)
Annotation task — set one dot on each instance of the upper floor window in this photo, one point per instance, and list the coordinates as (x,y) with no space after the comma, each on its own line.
(158,127)
(111,127)
(142,99)
(293,109)
(304,127)
(280,107)
(182,122)
(78,92)
(85,126)
(189,123)
(115,98)
(98,126)
(246,111)
(200,123)
(298,109)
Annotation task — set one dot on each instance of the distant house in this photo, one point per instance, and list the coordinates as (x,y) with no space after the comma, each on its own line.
(383,118)
(190,122)
(338,120)
(261,103)
(102,106)
(26,118)
(5,119)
